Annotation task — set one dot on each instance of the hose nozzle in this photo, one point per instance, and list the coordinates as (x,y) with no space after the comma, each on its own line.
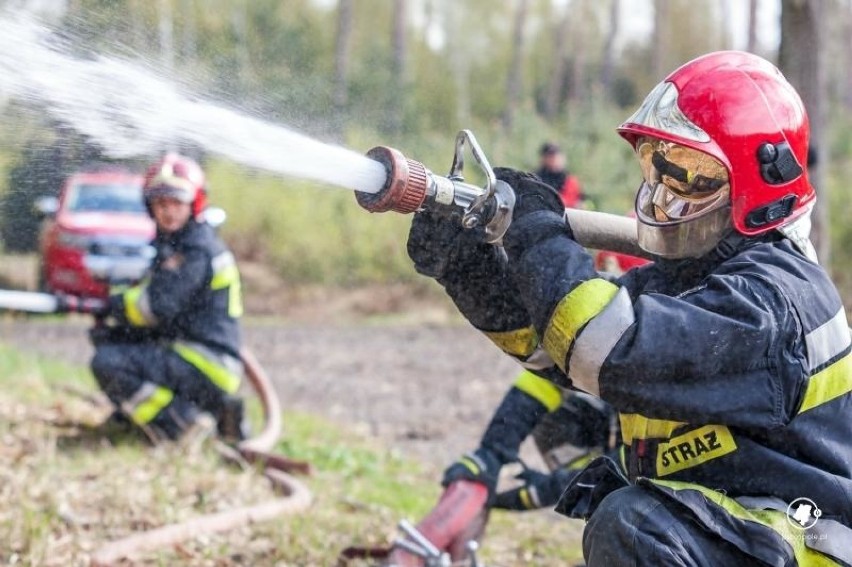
(411,187)
(405,188)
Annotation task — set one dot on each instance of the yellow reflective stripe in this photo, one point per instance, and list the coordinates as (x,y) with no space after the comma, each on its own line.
(520,342)
(131,306)
(775,520)
(147,410)
(694,448)
(583,460)
(539,388)
(219,375)
(225,277)
(831,382)
(229,277)
(525,498)
(470,464)
(235,299)
(576,309)
(636,426)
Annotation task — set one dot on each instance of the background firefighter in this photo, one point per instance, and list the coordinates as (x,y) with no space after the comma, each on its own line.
(176,368)
(728,358)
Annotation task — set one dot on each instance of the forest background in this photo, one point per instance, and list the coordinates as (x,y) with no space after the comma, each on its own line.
(411,73)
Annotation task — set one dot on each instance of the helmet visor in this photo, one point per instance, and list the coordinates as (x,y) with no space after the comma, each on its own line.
(679,183)
(165,185)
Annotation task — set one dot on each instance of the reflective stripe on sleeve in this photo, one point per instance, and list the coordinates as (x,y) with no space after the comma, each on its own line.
(828,384)
(828,340)
(597,340)
(541,389)
(636,426)
(137,307)
(227,276)
(529,497)
(576,309)
(519,342)
(214,367)
(147,403)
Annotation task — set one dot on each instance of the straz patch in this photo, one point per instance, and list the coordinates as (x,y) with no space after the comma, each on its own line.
(694,448)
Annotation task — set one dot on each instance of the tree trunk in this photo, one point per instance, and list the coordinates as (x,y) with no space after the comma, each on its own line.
(557,79)
(398,76)
(801,58)
(751,42)
(579,46)
(725,28)
(460,61)
(659,61)
(189,37)
(609,46)
(514,78)
(847,20)
(239,23)
(166,34)
(341,62)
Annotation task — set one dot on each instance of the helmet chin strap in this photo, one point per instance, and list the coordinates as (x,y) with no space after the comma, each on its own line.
(799,232)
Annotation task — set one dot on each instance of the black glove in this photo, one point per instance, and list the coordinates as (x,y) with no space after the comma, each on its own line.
(74,304)
(437,242)
(482,466)
(538,214)
(531,193)
(539,490)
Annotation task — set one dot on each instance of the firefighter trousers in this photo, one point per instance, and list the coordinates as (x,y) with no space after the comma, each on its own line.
(637,527)
(154,386)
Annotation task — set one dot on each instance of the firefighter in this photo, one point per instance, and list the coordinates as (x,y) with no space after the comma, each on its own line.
(727,359)
(176,368)
(576,428)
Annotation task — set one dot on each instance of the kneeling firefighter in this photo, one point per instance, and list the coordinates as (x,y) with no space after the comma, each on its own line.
(172,364)
(727,359)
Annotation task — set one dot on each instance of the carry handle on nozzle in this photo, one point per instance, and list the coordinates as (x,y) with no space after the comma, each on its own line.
(411,187)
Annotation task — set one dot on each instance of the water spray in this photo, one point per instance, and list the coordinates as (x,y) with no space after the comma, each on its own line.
(132,111)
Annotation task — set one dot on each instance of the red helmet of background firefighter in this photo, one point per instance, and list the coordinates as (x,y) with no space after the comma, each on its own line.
(720,160)
(178,178)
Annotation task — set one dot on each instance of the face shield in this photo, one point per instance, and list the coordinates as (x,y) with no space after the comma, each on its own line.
(683,206)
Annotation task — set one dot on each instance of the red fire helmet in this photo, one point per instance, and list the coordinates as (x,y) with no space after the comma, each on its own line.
(178,177)
(739,109)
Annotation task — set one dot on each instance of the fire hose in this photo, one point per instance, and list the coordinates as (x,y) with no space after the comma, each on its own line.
(295,497)
(410,186)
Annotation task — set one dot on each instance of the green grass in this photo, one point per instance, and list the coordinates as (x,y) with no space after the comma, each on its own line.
(65,491)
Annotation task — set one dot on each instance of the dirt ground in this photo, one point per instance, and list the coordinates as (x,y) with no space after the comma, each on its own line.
(409,372)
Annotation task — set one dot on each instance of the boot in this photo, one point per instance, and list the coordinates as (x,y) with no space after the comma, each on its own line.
(232,422)
(182,423)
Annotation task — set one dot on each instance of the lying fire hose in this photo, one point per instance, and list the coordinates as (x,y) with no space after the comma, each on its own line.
(410,187)
(295,497)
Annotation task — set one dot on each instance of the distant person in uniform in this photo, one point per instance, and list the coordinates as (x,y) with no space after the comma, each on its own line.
(552,170)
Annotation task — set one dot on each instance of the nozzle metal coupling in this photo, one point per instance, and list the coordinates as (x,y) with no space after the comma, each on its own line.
(405,188)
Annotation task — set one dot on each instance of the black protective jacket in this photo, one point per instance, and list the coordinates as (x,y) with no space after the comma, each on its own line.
(191,294)
(732,372)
